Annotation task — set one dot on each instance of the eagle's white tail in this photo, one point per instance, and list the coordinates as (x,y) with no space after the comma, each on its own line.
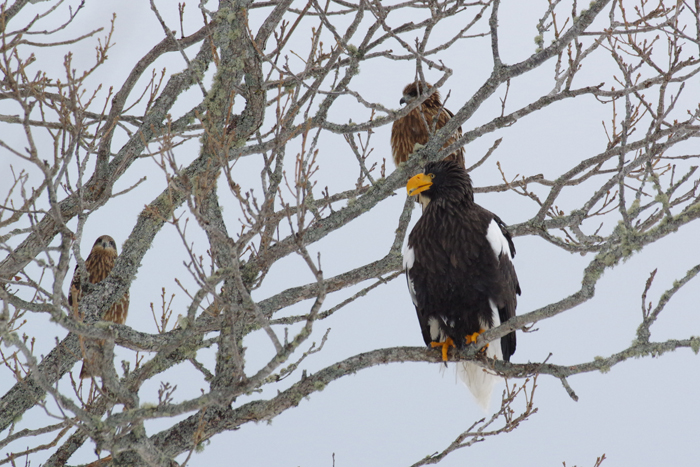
(478,379)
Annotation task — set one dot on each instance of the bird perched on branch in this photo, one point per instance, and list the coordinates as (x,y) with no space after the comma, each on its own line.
(420,123)
(98,264)
(459,269)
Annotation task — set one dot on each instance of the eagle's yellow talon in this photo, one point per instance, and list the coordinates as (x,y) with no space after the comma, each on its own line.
(471,338)
(445,347)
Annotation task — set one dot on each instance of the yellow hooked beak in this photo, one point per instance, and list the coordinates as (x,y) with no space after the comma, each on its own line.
(419,183)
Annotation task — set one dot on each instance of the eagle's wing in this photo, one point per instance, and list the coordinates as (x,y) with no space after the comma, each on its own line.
(418,272)
(408,259)
(508,288)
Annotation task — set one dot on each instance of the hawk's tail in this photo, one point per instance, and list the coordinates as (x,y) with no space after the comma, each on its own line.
(84,373)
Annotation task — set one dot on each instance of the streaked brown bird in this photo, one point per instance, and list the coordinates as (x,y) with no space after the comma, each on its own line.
(420,123)
(99,263)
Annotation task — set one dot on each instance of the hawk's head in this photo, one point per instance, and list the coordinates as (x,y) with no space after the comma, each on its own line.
(106,243)
(416,89)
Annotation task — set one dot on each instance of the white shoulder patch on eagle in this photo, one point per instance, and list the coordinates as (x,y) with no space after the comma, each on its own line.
(408,258)
(497,240)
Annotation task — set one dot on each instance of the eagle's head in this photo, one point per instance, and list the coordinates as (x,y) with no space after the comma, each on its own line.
(446,181)
(415,89)
(105,243)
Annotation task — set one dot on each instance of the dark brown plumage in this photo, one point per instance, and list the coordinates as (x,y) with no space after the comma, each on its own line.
(458,264)
(416,128)
(99,263)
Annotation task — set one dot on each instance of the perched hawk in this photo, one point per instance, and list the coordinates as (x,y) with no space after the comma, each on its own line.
(99,263)
(420,123)
(459,269)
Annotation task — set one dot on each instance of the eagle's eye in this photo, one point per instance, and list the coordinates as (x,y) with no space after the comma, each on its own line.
(431,176)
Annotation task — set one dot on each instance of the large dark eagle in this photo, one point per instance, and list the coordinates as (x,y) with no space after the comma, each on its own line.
(99,263)
(420,123)
(459,269)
